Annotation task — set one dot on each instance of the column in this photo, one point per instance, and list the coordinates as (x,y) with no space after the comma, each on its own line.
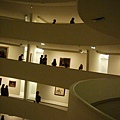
(87,62)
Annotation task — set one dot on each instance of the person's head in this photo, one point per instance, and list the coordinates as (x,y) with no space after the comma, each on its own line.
(41,56)
(37,92)
(3,85)
(45,56)
(2,116)
(6,86)
(73,18)
(21,54)
(54,60)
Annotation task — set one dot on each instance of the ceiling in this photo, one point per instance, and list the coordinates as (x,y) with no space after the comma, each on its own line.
(44,11)
(101,15)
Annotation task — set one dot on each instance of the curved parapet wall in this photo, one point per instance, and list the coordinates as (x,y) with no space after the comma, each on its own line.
(101,15)
(29,110)
(66,34)
(84,93)
(44,74)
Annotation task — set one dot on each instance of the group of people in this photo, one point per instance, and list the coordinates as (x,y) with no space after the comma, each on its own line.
(4,90)
(43,60)
(71,21)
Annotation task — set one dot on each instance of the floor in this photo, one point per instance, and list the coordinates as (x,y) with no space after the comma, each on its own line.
(112,108)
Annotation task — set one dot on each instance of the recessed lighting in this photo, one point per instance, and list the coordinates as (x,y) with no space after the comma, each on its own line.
(42,43)
(92,47)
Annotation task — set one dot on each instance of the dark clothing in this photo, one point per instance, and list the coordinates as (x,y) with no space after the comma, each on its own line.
(2,118)
(44,61)
(20,57)
(2,90)
(72,21)
(38,98)
(6,92)
(41,61)
(81,67)
(54,62)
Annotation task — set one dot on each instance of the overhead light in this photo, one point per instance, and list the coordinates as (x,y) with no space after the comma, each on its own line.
(42,43)
(31,7)
(92,47)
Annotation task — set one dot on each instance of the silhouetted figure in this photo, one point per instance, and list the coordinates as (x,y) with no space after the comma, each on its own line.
(21,57)
(41,59)
(45,60)
(54,21)
(81,67)
(72,21)
(6,91)
(38,98)
(2,54)
(2,117)
(54,62)
(66,64)
(3,90)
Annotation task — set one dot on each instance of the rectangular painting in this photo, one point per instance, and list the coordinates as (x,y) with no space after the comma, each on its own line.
(65,62)
(0,81)
(59,91)
(3,52)
(12,83)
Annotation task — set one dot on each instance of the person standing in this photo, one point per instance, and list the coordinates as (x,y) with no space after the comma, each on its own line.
(20,58)
(54,21)
(81,67)
(2,117)
(3,90)
(54,62)
(45,60)
(38,98)
(6,91)
(72,21)
(41,59)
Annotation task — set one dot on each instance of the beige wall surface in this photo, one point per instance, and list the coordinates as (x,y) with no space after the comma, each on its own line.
(77,34)
(12,90)
(44,74)
(30,110)
(47,94)
(75,58)
(114,65)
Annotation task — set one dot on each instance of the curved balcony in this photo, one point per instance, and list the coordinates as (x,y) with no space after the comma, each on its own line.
(85,93)
(65,34)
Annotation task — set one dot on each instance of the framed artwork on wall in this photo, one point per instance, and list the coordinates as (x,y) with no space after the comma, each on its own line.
(59,91)
(0,81)
(3,52)
(12,83)
(65,62)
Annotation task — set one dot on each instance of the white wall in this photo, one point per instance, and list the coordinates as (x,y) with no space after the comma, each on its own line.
(76,58)
(13,51)
(47,95)
(12,90)
(114,65)
(94,61)
(31,90)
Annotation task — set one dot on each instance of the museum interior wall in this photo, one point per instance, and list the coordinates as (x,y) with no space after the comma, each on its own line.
(45,33)
(114,64)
